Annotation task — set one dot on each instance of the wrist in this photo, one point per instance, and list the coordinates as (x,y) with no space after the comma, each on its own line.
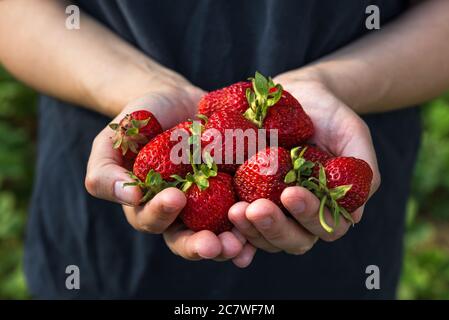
(117,87)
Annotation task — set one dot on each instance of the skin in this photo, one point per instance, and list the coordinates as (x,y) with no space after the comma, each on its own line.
(88,70)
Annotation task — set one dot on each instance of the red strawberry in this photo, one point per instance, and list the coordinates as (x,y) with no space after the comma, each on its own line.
(209,196)
(262,175)
(154,159)
(266,105)
(221,124)
(133,132)
(292,123)
(273,108)
(313,154)
(349,171)
(343,186)
(232,97)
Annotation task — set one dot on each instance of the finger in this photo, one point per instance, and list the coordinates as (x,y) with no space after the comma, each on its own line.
(156,215)
(238,217)
(246,256)
(231,246)
(105,176)
(276,228)
(192,245)
(304,207)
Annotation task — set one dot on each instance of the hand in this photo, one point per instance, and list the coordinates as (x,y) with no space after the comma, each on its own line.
(340,131)
(171,103)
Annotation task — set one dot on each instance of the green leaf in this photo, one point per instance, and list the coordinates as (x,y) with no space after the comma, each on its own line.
(132,131)
(202,183)
(340,191)
(139,123)
(322,176)
(117,142)
(346,215)
(298,163)
(290,177)
(260,84)
(294,153)
(114,126)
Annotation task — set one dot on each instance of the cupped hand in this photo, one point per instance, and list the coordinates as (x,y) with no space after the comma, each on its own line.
(171,103)
(339,130)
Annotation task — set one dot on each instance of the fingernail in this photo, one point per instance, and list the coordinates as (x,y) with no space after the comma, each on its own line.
(264,223)
(123,194)
(297,206)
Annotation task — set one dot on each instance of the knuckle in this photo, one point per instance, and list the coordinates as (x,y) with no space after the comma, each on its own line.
(91,182)
(298,251)
(274,235)
(149,228)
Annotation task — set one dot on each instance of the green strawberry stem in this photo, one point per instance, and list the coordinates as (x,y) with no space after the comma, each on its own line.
(152,185)
(200,176)
(321,216)
(264,95)
(204,171)
(301,167)
(127,134)
(328,198)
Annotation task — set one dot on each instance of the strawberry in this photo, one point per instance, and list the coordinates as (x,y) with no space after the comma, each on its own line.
(266,105)
(273,108)
(133,132)
(209,195)
(232,97)
(262,175)
(313,154)
(220,125)
(343,185)
(153,166)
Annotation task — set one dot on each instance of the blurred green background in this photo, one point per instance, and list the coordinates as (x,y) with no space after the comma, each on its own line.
(426,267)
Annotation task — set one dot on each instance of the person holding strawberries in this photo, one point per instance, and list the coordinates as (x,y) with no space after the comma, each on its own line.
(358,86)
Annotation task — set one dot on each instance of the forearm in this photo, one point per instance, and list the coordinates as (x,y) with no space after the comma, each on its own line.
(402,64)
(91,66)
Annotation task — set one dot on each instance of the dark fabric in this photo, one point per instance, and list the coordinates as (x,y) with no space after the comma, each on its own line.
(212,43)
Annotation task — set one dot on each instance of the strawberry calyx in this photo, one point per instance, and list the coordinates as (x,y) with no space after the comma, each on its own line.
(152,185)
(200,175)
(301,166)
(328,198)
(264,94)
(127,134)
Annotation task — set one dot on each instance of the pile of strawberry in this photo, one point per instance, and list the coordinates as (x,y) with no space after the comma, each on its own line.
(341,183)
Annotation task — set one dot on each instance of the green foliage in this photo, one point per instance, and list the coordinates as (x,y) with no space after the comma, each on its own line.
(426,262)
(17,136)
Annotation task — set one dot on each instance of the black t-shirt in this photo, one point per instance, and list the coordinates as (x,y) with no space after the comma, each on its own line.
(212,43)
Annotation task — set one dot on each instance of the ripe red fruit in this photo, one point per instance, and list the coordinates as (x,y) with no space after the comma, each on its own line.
(349,171)
(232,97)
(133,132)
(265,104)
(314,154)
(288,117)
(209,195)
(208,209)
(221,124)
(262,175)
(156,156)
(343,185)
